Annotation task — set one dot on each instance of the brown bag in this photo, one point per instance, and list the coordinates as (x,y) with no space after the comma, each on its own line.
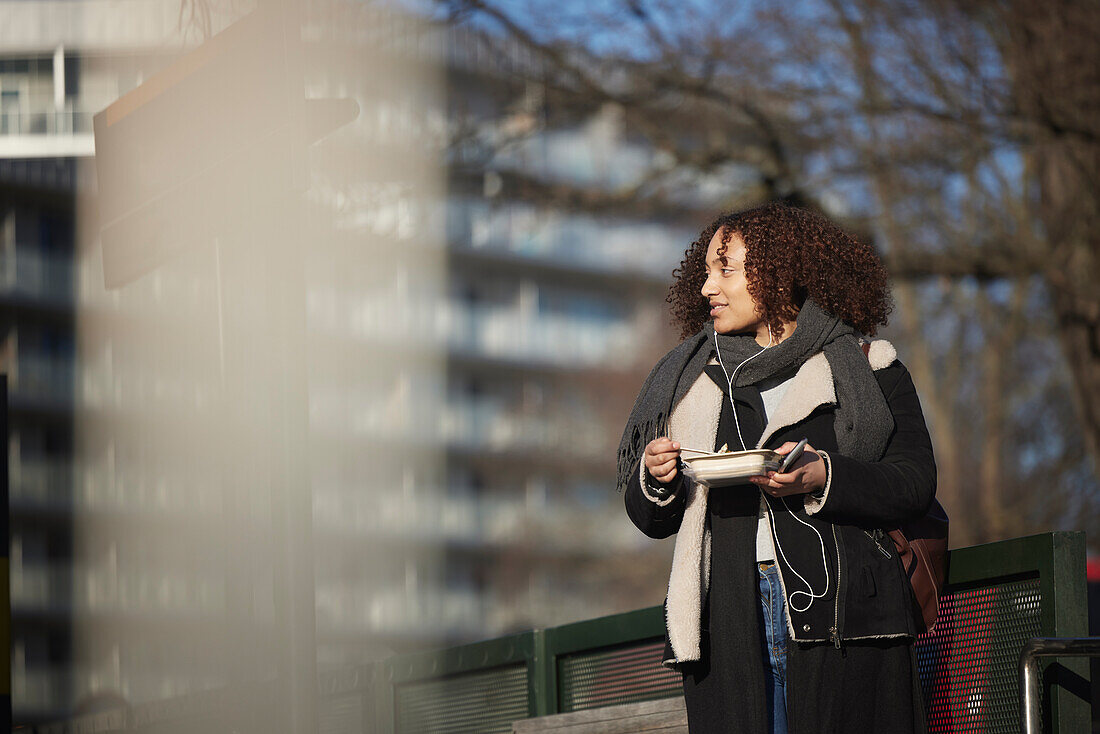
(922,546)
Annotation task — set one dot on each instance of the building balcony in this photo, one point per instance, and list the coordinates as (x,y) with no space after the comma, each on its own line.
(79,487)
(30,275)
(92,25)
(640,248)
(437,517)
(480,425)
(434,517)
(96,589)
(41,484)
(46,122)
(500,331)
(427,613)
(41,690)
(42,381)
(47,134)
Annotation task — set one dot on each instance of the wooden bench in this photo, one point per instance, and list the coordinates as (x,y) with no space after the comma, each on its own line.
(664,716)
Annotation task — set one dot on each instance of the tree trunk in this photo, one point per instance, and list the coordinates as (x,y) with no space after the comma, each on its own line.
(1052,52)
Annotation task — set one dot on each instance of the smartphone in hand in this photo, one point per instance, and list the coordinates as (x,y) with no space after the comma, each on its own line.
(793,456)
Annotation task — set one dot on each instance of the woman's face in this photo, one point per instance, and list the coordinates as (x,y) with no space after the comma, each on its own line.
(734,311)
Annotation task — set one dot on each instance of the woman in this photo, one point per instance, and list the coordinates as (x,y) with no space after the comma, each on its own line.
(787,607)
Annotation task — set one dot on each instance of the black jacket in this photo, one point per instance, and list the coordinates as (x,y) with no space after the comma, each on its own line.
(875,605)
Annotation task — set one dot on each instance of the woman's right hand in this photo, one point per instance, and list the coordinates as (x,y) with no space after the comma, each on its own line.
(662,457)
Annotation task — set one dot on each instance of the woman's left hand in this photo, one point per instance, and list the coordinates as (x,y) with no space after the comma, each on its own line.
(807,474)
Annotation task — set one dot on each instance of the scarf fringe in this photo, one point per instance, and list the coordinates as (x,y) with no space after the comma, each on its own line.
(632,448)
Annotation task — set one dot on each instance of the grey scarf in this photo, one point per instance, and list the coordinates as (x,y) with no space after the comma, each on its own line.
(862,422)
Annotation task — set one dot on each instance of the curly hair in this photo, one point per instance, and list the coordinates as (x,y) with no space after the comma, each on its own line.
(790,254)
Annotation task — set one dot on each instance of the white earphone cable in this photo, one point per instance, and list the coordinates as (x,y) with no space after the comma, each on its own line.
(771,514)
(729,380)
(779,546)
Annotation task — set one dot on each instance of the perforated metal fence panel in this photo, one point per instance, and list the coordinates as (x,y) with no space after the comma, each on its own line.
(346,700)
(480,701)
(342,714)
(968,663)
(623,674)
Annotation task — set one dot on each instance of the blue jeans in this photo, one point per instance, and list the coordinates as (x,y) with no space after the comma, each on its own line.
(774,640)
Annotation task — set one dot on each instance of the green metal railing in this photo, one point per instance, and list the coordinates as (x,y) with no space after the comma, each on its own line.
(999,596)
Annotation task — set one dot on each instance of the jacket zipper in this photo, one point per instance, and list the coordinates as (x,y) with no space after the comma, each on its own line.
(877,536)
(834,631)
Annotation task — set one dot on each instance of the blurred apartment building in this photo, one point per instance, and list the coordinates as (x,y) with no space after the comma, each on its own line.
(548,316)
(59,64)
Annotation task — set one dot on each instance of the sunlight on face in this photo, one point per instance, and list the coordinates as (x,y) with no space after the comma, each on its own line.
(732,307)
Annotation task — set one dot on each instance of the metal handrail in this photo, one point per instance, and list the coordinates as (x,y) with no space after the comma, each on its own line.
(1046,647)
